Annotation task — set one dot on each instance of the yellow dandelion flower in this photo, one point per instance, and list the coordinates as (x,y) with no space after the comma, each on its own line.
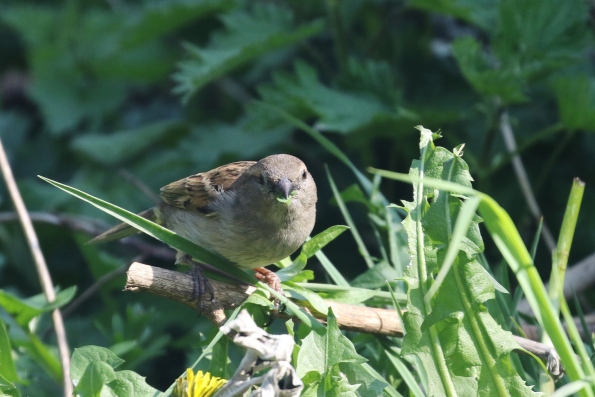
(197,385)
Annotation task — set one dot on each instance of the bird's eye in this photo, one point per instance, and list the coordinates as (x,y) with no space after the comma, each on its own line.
(261,180)
(304,174)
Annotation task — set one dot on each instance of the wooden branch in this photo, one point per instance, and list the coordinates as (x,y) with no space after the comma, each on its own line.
(178,287)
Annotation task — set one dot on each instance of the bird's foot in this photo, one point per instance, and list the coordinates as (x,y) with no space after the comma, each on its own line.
(269,277)
(200,283)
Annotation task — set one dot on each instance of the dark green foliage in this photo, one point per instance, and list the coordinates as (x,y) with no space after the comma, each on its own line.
(118,98)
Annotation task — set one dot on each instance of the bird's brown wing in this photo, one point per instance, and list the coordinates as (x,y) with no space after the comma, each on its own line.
(196,192)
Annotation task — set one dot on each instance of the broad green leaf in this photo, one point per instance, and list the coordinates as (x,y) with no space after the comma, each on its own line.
(323,349)
(24,310)
(319,241)
(93,374)
(369,385)
(352,296)
(94,377)
(461,347)
(248,34)
(84,356)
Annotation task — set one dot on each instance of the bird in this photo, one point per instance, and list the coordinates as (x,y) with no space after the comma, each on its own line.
(253,213)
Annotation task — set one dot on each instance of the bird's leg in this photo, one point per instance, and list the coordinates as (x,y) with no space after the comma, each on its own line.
(201,284)
(269,277)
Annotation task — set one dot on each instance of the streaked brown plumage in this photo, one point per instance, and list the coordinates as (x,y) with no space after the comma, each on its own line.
(252,213)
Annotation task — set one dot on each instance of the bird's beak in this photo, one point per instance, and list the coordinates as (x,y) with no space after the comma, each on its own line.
(284,189)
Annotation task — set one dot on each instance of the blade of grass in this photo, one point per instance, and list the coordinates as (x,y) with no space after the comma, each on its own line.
(402,369)
(565,241)
(352,228)
(332,271)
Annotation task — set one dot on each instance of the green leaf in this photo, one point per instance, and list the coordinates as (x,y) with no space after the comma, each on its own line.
(92,373)
(460,345)
(24,310)
(248,34)
(95,376)
(476,65)
(304,96)
(131,384)
(319,241)
(123,146)
(84,356)
(325,348)
(376,277)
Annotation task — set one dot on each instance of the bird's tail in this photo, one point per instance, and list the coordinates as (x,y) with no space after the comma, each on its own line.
(123,229)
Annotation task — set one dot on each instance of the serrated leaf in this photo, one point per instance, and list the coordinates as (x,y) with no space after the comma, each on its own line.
(323,349)
(8,373)
(452,333)
(248,34)
(303,95)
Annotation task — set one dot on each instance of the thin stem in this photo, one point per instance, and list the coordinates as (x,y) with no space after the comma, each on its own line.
(523,179)
(41,266)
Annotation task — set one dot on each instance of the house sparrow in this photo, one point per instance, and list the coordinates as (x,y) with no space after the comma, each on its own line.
(251,213)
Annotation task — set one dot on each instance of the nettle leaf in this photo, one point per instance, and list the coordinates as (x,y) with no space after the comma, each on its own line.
(84,67)
(303,95)
(321,353)
(460,345)
(532,40)
(248,34)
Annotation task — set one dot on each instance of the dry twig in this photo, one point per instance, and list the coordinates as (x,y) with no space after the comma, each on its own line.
(41,266)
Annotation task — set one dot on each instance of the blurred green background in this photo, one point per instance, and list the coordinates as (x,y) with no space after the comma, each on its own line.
(118,98)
